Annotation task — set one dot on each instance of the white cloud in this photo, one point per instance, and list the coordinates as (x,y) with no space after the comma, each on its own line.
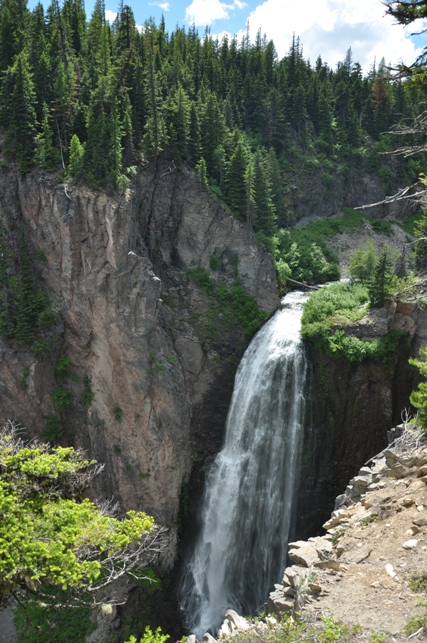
(329,27)
(110,15)
(205,12)
(163,5)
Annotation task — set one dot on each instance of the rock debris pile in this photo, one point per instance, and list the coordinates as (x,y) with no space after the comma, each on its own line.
(362,570)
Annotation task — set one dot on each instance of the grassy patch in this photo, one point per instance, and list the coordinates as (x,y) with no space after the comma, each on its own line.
(410,224)
(339,302)
(343,303)
(290,631)
(351,221)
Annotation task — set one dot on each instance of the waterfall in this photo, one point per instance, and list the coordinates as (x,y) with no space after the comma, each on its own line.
(247,508)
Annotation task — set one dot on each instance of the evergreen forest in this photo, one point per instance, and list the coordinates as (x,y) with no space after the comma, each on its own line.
(94,100)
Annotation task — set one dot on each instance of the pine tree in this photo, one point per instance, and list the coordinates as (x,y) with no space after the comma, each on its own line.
(264,210)
(212,130)
(381,278)
(14,18)
(46,155)
(194,135)
(202,174)
(155,134)
(75,165)
(276,183)
(235,182)
(18,113)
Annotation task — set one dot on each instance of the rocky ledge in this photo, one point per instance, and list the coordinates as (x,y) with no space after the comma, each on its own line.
(364,570)
(369,568)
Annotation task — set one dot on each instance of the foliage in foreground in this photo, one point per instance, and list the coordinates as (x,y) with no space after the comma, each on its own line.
(151,637)
(52,539)
(339,304)
(418,398)
(327,630)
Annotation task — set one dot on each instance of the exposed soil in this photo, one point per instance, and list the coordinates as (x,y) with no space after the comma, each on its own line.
(363,592)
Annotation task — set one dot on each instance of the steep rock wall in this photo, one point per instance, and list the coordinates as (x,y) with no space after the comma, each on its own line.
(131,321)
(355,405)
(308,195)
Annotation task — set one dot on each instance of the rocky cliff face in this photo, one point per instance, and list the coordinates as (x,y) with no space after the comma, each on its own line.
(356,404)
(309,195)
(129,319)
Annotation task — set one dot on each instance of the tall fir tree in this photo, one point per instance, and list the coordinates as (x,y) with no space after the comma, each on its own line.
(264,210)
(18,114)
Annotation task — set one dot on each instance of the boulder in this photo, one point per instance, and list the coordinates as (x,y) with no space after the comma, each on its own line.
(279,605)
(362,481)
(291,576)
(208,638)
(305,556)
(390,458)
(239,622)
(399,471)
(324,549)
(225,629)
(410,544)
(330,564)
(337,518)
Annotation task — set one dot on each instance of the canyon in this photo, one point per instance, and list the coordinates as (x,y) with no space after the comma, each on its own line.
(160,359)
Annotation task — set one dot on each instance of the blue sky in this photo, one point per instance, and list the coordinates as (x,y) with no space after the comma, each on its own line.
(326,27)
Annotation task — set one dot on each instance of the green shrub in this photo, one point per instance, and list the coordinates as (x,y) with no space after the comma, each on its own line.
(151,637)
(411,223)
(418,582)
(342,303)
(62,398)
(201,277)
(87,394)
(40,347)
(232,302)
(23,381)
(214,262)
(417,622)
(118,413)
(362,261)
(61,367)
(418,398)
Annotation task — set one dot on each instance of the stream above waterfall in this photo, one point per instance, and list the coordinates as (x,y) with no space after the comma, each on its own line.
(249,495)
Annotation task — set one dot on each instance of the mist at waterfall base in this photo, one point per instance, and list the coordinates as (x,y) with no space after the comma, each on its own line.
(248,504)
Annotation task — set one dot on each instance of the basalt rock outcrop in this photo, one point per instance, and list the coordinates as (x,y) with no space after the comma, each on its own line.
(136,330)
(356,403)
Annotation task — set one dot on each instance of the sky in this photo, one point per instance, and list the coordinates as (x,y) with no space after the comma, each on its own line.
(325,27)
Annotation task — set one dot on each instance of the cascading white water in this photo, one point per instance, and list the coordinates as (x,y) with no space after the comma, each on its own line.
(242,547)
